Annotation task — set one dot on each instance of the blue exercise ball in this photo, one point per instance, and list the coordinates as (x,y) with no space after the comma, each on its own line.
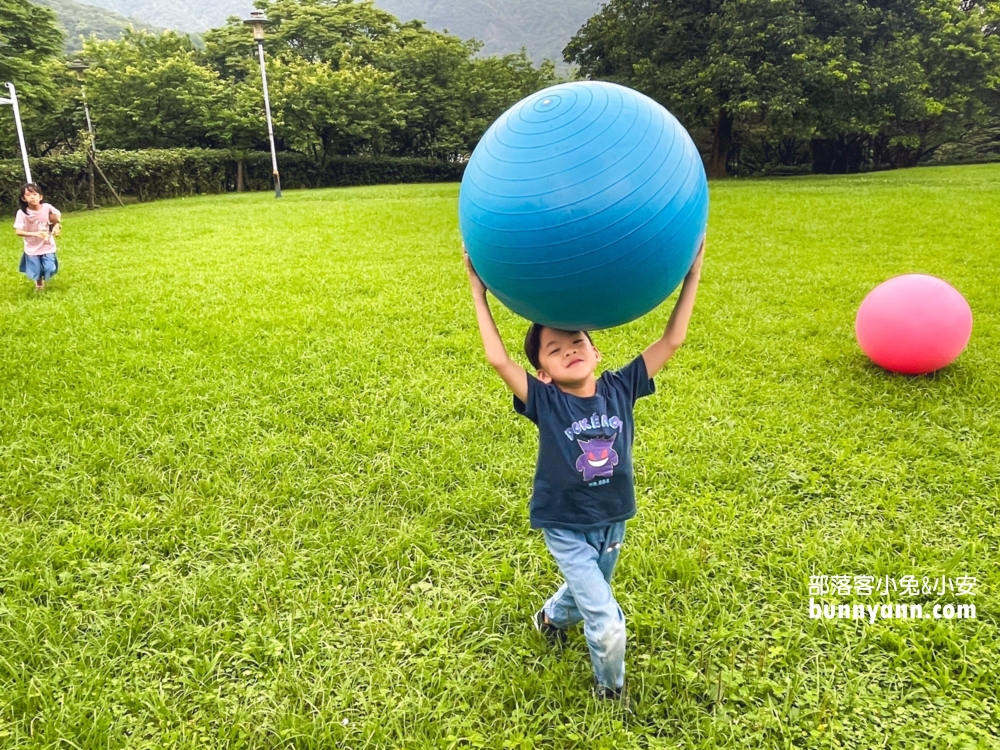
(584,205)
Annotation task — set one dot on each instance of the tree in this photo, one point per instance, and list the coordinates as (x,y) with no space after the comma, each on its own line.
(861,81)
(432,70)
(986,11)
(241,123)
(717,64)
(29,35)
(324,30)
(448,97)
(492,85)
(318,31)
(326,112)
(454,95)
(149,91)
(30,52)
(919,75)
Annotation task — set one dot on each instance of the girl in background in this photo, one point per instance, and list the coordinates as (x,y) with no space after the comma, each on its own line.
(39,224)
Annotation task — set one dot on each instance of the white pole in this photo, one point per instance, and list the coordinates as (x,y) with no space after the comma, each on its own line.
(86,111)
(270,129)
(20,133)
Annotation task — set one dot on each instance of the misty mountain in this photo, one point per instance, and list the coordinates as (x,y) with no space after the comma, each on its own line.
(181,15)
(79,20)
(543,28)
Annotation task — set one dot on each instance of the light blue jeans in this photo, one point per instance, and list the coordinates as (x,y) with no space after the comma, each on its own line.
(587,561)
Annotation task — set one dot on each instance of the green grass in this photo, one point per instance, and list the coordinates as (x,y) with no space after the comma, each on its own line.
(259,487)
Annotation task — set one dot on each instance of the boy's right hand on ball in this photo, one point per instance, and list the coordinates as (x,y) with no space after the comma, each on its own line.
(474,281)
(696,265)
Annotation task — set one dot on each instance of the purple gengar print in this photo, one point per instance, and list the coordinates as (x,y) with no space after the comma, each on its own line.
(599,458)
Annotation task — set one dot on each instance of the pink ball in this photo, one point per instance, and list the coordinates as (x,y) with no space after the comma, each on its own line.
(913,324)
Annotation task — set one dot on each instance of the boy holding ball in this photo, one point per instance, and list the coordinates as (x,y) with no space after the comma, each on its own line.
(583,487)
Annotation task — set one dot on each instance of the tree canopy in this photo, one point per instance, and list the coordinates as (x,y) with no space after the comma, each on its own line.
(346,78)
(403,89)
(830,85)
(850,83)
(30,52)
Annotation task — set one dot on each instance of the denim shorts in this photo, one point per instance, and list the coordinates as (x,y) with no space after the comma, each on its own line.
(39,267)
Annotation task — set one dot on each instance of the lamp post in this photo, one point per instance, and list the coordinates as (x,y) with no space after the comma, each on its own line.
(79,67)
(257,21)
(12,101)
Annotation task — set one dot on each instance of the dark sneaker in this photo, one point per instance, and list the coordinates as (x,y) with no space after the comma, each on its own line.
(555,636)
(614,695)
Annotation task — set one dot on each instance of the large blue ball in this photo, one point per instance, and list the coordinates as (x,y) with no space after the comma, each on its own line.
(584,206)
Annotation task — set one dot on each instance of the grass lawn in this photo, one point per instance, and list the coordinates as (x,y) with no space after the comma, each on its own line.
(259,487)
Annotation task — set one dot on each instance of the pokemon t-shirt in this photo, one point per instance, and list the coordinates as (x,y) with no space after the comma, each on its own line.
(583,479)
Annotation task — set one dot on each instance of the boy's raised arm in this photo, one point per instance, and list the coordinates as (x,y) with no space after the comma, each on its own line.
(515,376)
(661,350)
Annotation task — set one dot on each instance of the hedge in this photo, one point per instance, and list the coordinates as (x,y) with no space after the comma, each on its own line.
(148,175)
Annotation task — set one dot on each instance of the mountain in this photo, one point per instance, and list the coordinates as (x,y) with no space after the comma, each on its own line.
(78,20)
(544,28)
(181,15)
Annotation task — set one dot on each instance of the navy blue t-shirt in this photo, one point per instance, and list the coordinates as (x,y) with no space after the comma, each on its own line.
(583,479)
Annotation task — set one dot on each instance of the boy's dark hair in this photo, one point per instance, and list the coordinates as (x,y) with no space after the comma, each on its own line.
(20,194)
(533,343)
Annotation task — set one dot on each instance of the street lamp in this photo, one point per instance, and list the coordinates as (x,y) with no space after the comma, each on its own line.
(257,21)
(12,101)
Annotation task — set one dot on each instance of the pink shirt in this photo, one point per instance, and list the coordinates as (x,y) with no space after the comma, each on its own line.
(37,221)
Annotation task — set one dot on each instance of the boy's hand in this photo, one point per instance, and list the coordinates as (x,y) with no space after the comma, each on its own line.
(510,371)
(657,353)
(57,230)
(478,287)
(696,265)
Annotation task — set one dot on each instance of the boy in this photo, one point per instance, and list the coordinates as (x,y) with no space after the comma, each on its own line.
(583,488)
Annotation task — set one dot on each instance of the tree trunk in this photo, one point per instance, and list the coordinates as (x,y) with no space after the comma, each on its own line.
(239,175)
(845,154)
(722,143)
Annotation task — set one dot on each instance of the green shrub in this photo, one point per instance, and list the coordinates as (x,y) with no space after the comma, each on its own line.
(170,173)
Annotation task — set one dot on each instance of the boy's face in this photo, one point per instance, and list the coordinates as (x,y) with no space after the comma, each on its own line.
(566,357)
(32,198)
